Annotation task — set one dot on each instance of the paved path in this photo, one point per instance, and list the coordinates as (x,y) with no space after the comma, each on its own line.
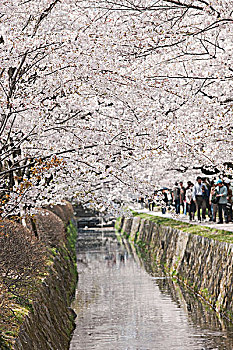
(185,218)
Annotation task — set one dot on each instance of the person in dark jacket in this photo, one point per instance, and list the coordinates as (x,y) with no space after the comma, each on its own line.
(176,197)
(165,201)
(206,182)
(199,198)
(222,203)
(229,199)
(182,196)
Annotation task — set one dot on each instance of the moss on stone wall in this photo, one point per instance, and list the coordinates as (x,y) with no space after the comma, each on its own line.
(51,321)
(202,263)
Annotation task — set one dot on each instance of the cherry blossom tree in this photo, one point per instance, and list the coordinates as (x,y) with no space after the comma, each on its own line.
(93,93)
(183,51)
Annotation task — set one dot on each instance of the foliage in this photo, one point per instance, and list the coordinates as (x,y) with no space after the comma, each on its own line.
(118,224)
(24,264)
(48,227)
(23,261)
(97,97)
(64,211)
(72,238)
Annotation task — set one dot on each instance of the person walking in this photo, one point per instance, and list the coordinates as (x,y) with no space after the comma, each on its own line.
(176,197)
(142,202)
(164,201)
(206,182)
(182,196)
(169,197)
(199,198)
(222,203)
(213,201)
(152,201)
(190,205)
(205,197)
(229,199)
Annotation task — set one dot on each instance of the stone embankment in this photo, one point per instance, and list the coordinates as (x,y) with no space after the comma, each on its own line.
(205,265)
(49,321)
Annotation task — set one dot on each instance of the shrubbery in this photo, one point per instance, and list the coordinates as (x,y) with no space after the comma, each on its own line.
(63,211)
(24,259)
(48,227)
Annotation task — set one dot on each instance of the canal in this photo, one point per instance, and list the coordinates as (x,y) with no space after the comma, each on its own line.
(125,303)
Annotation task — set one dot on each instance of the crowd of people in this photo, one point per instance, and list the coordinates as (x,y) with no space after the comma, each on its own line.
(210,199)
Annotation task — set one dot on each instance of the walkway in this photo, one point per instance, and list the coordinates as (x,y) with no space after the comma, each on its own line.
(185,218)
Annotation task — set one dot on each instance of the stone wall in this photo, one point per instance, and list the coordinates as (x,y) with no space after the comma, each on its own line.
(50,322)
(204,265)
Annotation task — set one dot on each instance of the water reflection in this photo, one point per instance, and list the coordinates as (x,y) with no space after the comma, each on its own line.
(124,303)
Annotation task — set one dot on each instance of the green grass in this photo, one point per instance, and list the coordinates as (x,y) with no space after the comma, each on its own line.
(117,224)
(218,235)
(12,327)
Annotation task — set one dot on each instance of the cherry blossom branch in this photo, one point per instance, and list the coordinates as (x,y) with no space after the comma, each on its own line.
(31,164)
(44,14)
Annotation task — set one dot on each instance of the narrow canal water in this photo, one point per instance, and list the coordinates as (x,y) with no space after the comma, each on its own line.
(122,305)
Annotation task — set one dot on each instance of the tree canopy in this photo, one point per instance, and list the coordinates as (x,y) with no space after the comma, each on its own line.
(94,93)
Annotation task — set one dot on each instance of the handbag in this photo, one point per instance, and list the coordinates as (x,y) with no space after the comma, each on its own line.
(215,200)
